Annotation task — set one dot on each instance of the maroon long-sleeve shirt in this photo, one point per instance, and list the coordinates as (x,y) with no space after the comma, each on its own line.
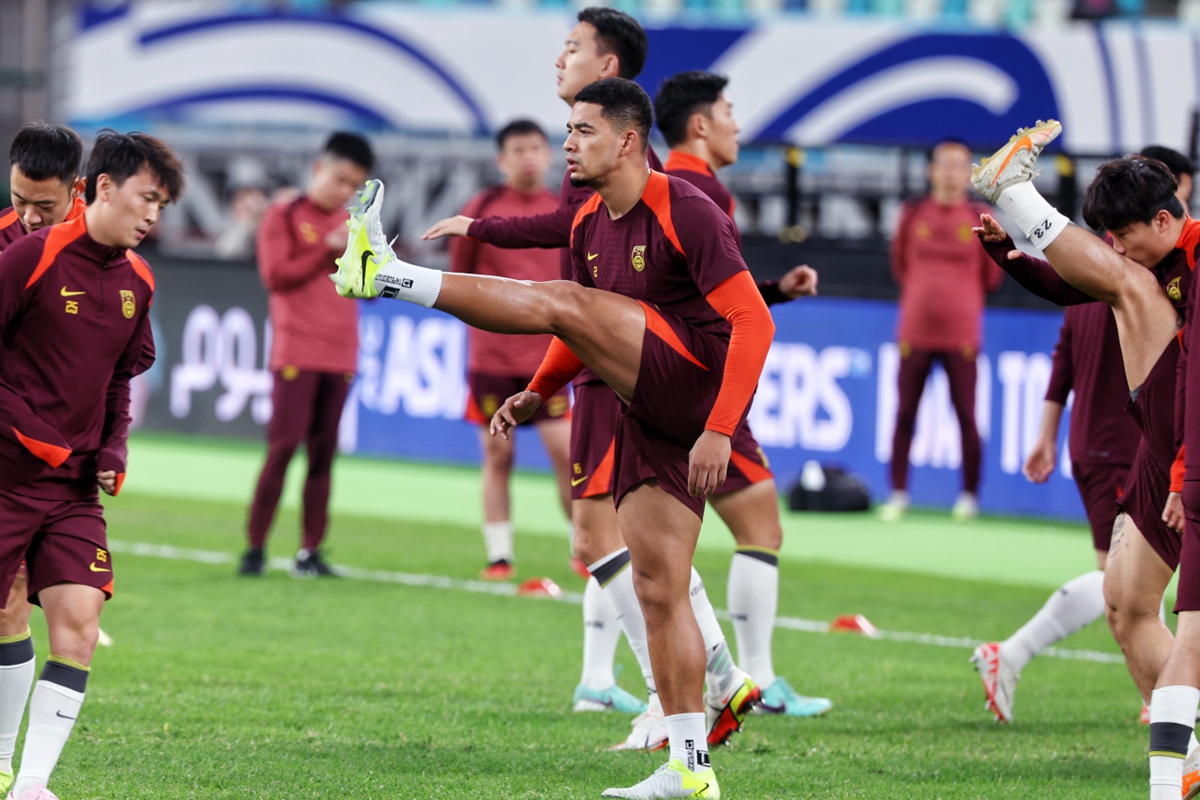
(942,274)
(1088,359)
(74,329)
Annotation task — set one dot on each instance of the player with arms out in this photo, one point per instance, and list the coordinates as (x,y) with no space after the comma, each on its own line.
(75,323)
(696,118)
(682,317)
(1146,277)
(46,189)
(499,366)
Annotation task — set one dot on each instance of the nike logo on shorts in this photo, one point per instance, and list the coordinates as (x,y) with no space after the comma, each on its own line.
(94,568)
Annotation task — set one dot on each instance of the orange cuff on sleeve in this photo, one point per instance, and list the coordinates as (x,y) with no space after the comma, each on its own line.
(51,454)
(119,484)
(1177,471)
(738,300)
(558,368)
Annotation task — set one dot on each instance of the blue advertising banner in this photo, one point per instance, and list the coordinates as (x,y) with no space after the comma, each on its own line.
(828,392)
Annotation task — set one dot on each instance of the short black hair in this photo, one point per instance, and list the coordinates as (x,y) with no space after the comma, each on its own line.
(683,95)
(43,151)
(352,147)
(625,104)
(122,155)
(619,34)
(1177,162)
(518,127)
(1130,189)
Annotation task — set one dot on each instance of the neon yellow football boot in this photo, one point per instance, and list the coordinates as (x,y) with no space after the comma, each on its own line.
(670,780)
(368,249)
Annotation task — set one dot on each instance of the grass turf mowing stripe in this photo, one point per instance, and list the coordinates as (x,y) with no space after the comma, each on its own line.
(510,590)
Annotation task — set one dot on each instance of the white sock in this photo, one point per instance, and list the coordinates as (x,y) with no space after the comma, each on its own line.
(688,735)
(57,698)
(1036,218)
(404,281)
(17,666)
(498,539)
(1172,718)
(1078,603)
(753,598)
(718,671)
(616,578)
(600,636)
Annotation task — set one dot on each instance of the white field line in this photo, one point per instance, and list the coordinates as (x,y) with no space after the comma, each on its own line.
(510,590)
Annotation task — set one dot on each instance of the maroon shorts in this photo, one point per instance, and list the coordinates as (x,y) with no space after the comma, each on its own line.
(1187,598)
(1154,407)
(1101,486)
(1144,498)
(678,381)
(61,541)
(748,463)
(488,392)
(594,421)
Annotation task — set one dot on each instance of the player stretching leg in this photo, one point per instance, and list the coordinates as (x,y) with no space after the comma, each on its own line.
(1103,441)
(697,121)
(74,313)
(670,247)
(45,189)
(1154,244)
(606,43)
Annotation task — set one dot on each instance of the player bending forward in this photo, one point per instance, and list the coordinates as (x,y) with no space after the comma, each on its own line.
(74,317)
(680,317)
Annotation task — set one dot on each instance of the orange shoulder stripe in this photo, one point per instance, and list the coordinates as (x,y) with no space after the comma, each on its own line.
(141,268)
(589,207)
(59,237)
(1188,239)
(658,197)
(8,219)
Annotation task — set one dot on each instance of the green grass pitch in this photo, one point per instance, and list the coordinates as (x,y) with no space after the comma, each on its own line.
(222,687)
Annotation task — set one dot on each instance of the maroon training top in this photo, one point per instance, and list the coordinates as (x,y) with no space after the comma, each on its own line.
(497,353)
(74,328)
(12,229)
(1088,359)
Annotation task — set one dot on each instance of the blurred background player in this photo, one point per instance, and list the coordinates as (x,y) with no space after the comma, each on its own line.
(943,276)
(44,183)
(697,121)
(46,189)
(500,366)
(314,349)
(74,316)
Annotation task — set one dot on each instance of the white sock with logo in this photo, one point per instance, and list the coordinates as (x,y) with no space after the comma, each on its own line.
(1172,718)
(403,281)
(689,740)
(498,539)
(618,588)
(753,598)
(57,698)
(601,633)
(719,661)
(17,667)
(1037,219)
(1078,603)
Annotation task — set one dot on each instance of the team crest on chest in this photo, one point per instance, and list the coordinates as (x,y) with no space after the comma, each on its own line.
(639,257)
(1173,290)
(127,305)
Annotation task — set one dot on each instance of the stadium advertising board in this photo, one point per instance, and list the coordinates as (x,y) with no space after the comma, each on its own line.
(828,391)
(1116,87)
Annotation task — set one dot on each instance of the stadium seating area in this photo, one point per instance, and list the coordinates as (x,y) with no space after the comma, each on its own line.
(1013,14)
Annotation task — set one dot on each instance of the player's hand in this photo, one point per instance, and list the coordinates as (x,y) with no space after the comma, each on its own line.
(798,282)
(451,226)
(708,463)
(1039,466)
(108,481)
(1173,513)
(989,229)
(337,238)
(516,409)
